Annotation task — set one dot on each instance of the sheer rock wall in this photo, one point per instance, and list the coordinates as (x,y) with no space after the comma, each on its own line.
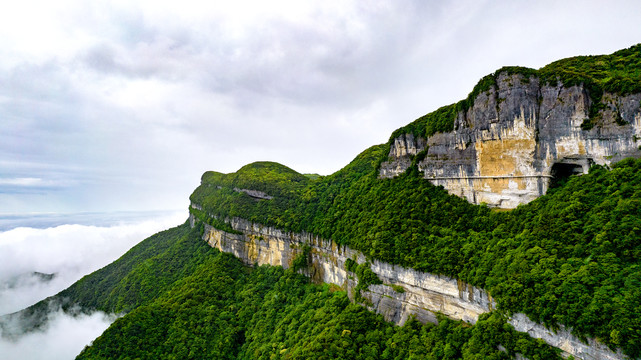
(504,148)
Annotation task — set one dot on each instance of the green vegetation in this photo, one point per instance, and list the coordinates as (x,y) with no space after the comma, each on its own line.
(570,257)
(186,300)
(269,177)
(350,265)
(366,277)
(223,310)
(407,221)
(618,73)
(276,180)
(302,260)
(142,274)
(441,120)
(215,222)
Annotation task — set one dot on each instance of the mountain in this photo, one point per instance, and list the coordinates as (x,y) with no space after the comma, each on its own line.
(409,230)
(520,129)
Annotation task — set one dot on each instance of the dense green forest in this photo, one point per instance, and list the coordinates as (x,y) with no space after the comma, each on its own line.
(220,309)
(143,273)
(182,299)
(571,257)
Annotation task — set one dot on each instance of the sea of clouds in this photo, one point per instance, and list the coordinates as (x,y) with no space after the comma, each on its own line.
(30,254)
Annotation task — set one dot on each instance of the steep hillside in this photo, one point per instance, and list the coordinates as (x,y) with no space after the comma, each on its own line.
(618,73)
(140,275)
(227,311)
(548,259)
(569,258)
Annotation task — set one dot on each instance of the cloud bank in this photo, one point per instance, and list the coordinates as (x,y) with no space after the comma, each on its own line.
(64,337)
(67,251)
(28,255)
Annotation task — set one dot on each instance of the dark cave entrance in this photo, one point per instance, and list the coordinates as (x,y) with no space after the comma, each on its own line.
(562,171)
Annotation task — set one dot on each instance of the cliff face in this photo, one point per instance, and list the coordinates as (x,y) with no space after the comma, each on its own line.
(424,294)
(414,293)
(517,137)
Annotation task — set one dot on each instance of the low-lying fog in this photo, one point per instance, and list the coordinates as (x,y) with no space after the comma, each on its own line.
(36,263)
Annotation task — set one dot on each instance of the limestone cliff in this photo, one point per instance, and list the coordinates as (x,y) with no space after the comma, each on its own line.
(404,292)
(517,136)
(424,296)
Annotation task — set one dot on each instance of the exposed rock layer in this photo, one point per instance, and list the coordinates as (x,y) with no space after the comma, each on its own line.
(424,295)
(564,340)
(514,139)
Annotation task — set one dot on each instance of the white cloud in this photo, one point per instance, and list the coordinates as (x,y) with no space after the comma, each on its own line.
(26,181)
(68,251)
(64,337)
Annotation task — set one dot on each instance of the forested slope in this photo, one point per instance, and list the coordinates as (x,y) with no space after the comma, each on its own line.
(140,275)
(224,310)
(570,257)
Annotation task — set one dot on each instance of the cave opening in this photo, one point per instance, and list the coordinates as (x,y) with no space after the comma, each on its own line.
(561,172)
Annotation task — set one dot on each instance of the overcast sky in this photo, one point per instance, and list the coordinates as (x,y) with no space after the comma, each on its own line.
(122,105)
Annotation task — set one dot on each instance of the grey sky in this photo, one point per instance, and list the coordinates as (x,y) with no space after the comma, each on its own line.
(114,105)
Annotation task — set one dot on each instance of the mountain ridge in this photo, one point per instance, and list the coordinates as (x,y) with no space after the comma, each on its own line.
(387,217)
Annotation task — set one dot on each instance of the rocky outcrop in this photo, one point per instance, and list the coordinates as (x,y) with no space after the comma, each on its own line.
(518,136)
(258,195)
(424,295)
(564,340)
(404,292)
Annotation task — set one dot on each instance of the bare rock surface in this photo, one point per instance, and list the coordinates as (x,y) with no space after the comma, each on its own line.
(517,136)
